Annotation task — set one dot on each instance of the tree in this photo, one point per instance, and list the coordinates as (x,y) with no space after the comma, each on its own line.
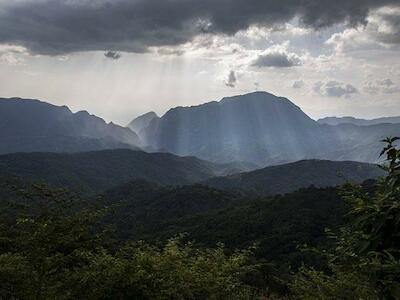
(53,248)
(365,260)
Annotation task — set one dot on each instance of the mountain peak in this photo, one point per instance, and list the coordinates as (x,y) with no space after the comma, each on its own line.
(255,94)
(252,97)
(258,96)
(360,122)
(142,121)
(255,127)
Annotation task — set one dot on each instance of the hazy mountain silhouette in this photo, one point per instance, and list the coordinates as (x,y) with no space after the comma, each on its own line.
(263,129)
(143,121)
(247,131)
(302,174)
(30,125)
(258,128)
(355,121)
(358,143)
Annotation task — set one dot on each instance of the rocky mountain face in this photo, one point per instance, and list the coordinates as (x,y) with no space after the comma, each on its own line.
(30,125)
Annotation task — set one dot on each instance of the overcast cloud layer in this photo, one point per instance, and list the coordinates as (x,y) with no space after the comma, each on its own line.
(63,26)
(118,59)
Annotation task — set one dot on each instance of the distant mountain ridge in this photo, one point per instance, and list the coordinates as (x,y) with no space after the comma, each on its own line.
(97,171)
(28,125)
(249,131)
(361,122)
(289,177)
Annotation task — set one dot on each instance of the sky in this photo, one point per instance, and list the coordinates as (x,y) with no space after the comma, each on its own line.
(122,58)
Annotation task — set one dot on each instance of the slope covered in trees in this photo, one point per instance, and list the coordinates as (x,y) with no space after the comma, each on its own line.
(301,174)
(97,171)
(364,260)
(56,244)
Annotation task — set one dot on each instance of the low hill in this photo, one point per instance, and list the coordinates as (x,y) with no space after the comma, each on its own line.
(293,176)
(101,170)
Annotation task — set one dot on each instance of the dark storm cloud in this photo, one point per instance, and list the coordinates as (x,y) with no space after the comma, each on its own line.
(113,55)
(62,26)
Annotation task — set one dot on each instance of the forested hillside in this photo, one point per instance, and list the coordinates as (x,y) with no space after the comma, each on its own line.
(141,240)
(301,174)
(96,171)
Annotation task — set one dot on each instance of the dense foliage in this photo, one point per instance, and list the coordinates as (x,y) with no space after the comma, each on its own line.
(97,171)
(365,260)
(118,245)
(54,242)
(290,177)
(57,251)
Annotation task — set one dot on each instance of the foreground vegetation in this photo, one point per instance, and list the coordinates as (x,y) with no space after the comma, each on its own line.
(54,245)
(364,262)
(59,251)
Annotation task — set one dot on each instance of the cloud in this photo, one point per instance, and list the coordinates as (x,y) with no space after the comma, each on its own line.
(382,31)
(62,26)
(170,51)
(383,86)
(334,88)
(298,84)
(231,80)
(12,55)
(113,55)
(278,57)
(384,25)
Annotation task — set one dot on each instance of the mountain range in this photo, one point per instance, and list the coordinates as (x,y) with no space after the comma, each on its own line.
(355,121)
(262,129)
(250,131)
(28,125)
